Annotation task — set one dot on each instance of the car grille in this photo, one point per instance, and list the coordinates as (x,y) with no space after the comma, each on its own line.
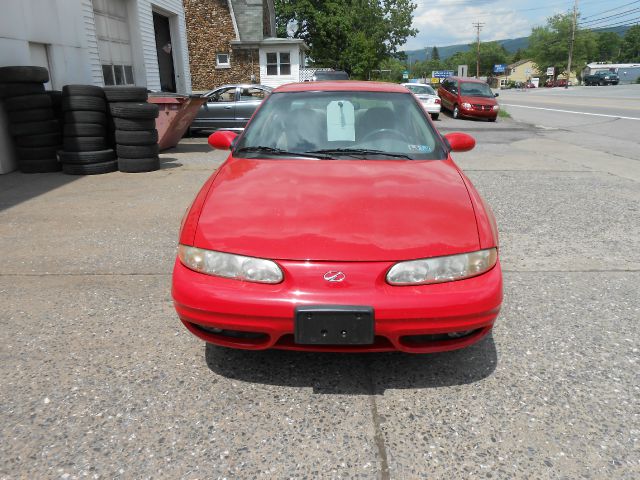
(482,108)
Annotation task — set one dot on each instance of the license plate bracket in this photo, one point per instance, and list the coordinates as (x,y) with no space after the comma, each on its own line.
(334,325)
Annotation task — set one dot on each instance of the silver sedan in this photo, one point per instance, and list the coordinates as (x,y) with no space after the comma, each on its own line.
(427,96)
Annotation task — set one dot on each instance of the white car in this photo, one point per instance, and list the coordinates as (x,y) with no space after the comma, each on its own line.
(427,96)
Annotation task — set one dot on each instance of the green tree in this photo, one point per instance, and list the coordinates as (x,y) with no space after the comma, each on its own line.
(631,45)
(608,46)
(435,54)
(351,35)
(517,56)
(491,53)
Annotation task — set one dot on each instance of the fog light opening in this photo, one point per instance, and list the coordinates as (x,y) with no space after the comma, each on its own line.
(459,334)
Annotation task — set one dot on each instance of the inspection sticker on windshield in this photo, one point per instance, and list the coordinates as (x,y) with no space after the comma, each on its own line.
(341,121)
(420,148)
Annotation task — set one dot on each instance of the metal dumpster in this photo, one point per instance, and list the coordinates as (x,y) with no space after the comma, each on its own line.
(176,114)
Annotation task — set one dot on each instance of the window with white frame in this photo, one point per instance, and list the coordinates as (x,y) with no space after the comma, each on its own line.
(278,63)
(222,60)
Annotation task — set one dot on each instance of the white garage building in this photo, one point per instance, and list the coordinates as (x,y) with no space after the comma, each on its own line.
(99,42)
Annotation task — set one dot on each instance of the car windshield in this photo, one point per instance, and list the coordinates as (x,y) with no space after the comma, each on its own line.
(340,124)
(421,89)
(475,89)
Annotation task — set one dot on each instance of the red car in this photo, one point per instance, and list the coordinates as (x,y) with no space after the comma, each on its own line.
(339,222)
(468,97)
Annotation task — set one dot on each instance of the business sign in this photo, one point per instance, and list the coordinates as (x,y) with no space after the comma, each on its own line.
(551,71)
(405,75)
(499,68)
(442,73)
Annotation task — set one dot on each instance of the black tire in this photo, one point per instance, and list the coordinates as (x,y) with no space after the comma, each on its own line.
(84,103)
(35,153)
(493,119)
(85,117)
(125,94)
(56,99)
(24,75)
(134,110)
(456,112)
(142,137)
(90,169)
(41,140)
(34,128)
(36,115)
(82,90)
(84,130)
(435,116)
(132,125)
(138,165)
(43,165)
(18,89)
(85,158)
(83,144)
(137,151)
(28,102)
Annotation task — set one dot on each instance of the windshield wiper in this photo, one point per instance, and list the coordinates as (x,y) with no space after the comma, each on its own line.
(281,152)
(356,152)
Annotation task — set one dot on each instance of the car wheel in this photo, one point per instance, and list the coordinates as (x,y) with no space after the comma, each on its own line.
(601,83)
(435,116)
(456,111)
(492,119)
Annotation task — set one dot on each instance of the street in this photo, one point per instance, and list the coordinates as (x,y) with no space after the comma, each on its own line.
(101,380)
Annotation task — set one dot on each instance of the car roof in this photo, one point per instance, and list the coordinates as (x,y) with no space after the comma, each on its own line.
(242,85)
(419,84)
(342,85)
(466,79)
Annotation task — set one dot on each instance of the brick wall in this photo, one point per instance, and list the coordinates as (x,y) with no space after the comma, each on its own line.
(210,31)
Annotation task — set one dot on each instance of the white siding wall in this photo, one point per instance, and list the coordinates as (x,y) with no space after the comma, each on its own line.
(277,80)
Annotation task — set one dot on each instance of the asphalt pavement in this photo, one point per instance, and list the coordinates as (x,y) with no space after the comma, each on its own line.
(100,380)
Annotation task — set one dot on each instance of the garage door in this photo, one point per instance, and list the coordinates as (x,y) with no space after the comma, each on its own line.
(114,43)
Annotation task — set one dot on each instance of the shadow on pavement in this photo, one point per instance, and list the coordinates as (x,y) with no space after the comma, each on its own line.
(169,162)
(355,374)
(188,146)
(16,187)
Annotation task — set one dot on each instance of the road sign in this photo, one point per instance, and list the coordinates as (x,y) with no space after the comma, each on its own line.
(405,75)
(551,71)
(499,68)
(463,70)
(442,73)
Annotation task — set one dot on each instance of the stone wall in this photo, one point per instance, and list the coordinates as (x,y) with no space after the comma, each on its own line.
(210,31)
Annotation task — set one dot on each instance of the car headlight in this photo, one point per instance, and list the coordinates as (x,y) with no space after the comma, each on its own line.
(495,108)
(466,105)
(442,269)
(228,265)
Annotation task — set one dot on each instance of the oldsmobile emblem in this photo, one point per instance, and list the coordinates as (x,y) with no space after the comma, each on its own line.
(334,276)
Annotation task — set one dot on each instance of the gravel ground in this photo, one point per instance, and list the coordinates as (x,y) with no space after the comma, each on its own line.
(100,380)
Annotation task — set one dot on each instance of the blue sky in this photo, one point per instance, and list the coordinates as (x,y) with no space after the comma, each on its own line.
(447,22)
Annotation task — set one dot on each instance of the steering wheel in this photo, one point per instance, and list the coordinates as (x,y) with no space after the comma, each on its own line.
(384,132)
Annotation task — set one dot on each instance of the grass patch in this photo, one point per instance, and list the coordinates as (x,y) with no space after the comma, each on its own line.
(503,113)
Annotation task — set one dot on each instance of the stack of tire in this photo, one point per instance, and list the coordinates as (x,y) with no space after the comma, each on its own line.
(136,137)
(32,123)
(85,150)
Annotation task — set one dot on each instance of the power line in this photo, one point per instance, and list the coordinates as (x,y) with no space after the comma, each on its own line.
(629,21)
(604,19)
(611,9)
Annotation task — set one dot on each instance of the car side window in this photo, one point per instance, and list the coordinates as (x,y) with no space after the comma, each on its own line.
(224,95)
(453,87)
(253,93)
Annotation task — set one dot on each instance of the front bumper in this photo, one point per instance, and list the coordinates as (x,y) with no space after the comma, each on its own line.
(409,318)
(476,113)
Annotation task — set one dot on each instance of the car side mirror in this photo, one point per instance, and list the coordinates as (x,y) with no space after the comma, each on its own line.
(222,139)
(460,142)
(496,94)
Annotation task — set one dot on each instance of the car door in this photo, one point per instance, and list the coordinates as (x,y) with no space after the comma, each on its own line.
(445,94)
(220,109)
(249,100)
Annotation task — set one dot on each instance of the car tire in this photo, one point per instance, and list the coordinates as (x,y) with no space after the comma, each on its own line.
(126,94)
(41,165)
(82,91)
(456,112)
(35,115)
(20,89)
(85,117)
(84,130)
(91,168)
(601,83)
(85,158)
(132,125)
(24,75)
(35,153)
(138,165)
(34,128)
(435,116)
(134,110)
(83,144)
(141,137)
(492,119)
(39,140)
(84,103)
(137,151)
(27,102)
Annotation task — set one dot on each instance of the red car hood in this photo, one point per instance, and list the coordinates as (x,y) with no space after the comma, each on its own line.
(480,100)
(340,210)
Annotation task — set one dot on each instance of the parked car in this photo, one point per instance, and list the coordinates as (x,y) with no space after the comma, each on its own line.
(229,107)
(603,77)
(468,97)
(339,222)
(323,75)
(427,96)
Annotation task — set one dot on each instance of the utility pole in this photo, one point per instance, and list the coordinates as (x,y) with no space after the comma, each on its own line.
(478,26)
(573,39)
